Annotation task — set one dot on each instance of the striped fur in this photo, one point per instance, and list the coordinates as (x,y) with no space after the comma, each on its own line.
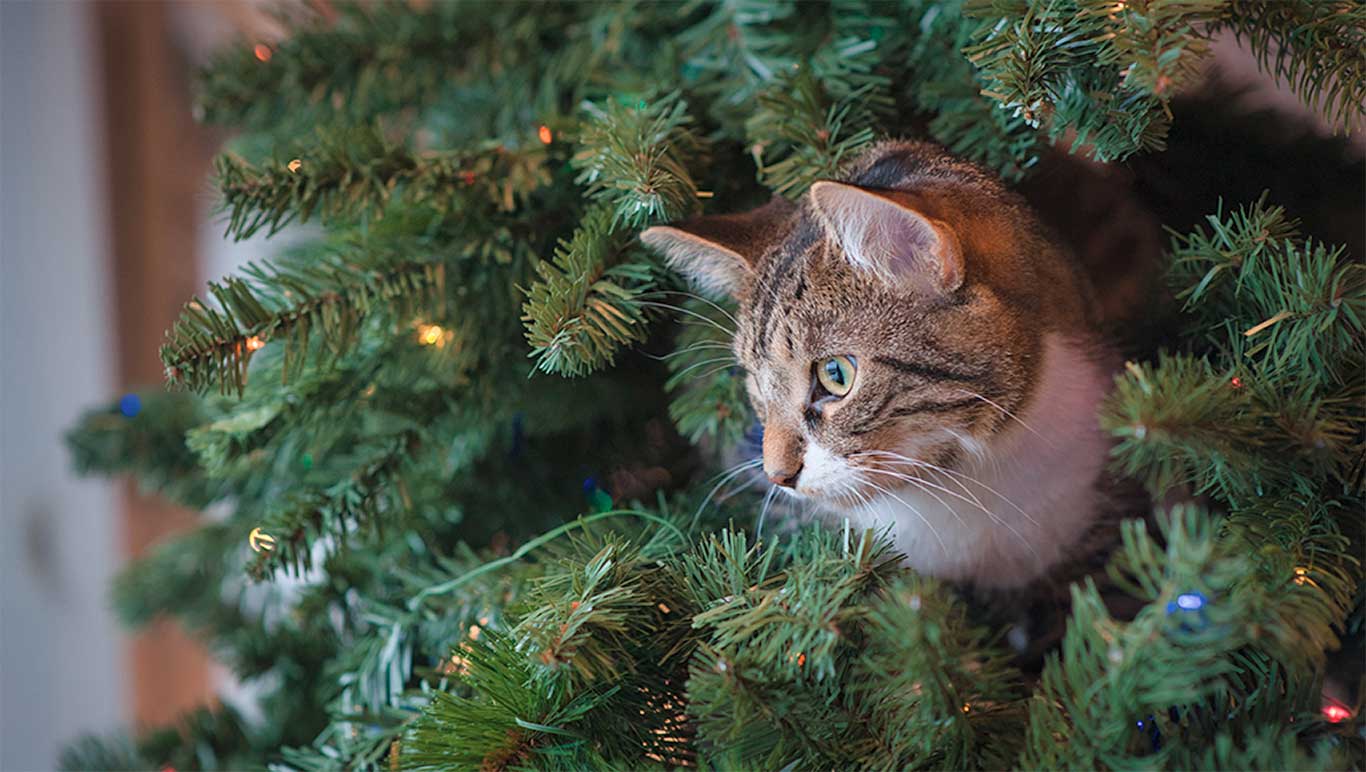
(970,426)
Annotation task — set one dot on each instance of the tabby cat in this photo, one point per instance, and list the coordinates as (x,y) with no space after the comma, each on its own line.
(922,352)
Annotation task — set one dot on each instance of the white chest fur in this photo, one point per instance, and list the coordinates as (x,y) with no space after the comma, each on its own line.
(1016,504)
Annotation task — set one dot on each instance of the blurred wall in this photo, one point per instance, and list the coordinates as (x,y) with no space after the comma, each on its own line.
(61,655)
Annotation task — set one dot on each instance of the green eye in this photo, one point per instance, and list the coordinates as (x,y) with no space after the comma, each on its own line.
(836,374)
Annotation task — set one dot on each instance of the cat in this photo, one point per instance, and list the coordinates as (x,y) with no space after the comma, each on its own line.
(923,353)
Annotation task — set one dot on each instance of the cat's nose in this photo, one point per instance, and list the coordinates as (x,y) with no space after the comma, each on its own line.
(785,479)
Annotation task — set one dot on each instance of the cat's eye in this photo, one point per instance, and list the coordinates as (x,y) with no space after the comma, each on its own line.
(836,374)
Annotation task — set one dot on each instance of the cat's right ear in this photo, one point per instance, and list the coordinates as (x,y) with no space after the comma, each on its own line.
(718,253)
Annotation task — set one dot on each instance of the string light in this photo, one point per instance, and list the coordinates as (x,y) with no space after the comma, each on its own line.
(295,165)
(431,335)
(260,541)
(545,135)
(130,405)
(1236,382)
(1336,712)
(456,665)
(1190,601)
(263,52)
(254,343)
(1302,577)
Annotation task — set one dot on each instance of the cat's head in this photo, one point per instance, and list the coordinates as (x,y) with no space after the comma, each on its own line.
(888,320)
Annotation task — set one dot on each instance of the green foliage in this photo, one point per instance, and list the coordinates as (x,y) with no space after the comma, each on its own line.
(709,399)
(1299,305)
(638,158)
(1102,73)
(1317,48)
(315,307)
(490,568)
(949,89)
(1182,661)
(1276,406)
(587,304)
(964,688)
(357,173)
(807,135)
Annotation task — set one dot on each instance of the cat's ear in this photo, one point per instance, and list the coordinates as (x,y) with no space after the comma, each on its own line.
(717,253)
(888,238)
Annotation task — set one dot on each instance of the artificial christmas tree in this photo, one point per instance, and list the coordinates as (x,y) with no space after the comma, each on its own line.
(482,424)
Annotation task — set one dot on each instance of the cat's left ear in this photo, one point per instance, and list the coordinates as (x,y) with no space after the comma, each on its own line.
(717,253)
(888,238)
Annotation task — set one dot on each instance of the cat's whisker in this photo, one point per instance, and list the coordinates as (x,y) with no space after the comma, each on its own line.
(697,297)
(726,475)
(910,480)
(924,486)
(729,362)
(703,317)
(860,497)
(713,371)
(699,346)
(1005,413)
(763,512)
(728,495)
(987,488)
(897,458)
(913,510)
(955,473)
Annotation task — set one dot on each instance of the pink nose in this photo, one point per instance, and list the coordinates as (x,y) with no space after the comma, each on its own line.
(785,479)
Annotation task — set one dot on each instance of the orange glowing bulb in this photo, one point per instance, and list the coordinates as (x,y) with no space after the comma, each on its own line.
(295,165)
(262,52)
(430,334)
(254,343)
(545,134)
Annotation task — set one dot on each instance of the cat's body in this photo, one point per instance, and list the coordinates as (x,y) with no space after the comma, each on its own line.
(922,353)
(1017,503)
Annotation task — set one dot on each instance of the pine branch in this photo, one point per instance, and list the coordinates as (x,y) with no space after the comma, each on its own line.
(587,303)
(1181,654)
(374,491)
(1102,70)
(315,307)
(502,725)
(765,684)
(637,159)
(349,175)
(944,84)
(149,445)
(1299,306)
(934,688)
(365,60)
(799,134)
(1268,747)
(707,389)
(1181,423)
(1316,47)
